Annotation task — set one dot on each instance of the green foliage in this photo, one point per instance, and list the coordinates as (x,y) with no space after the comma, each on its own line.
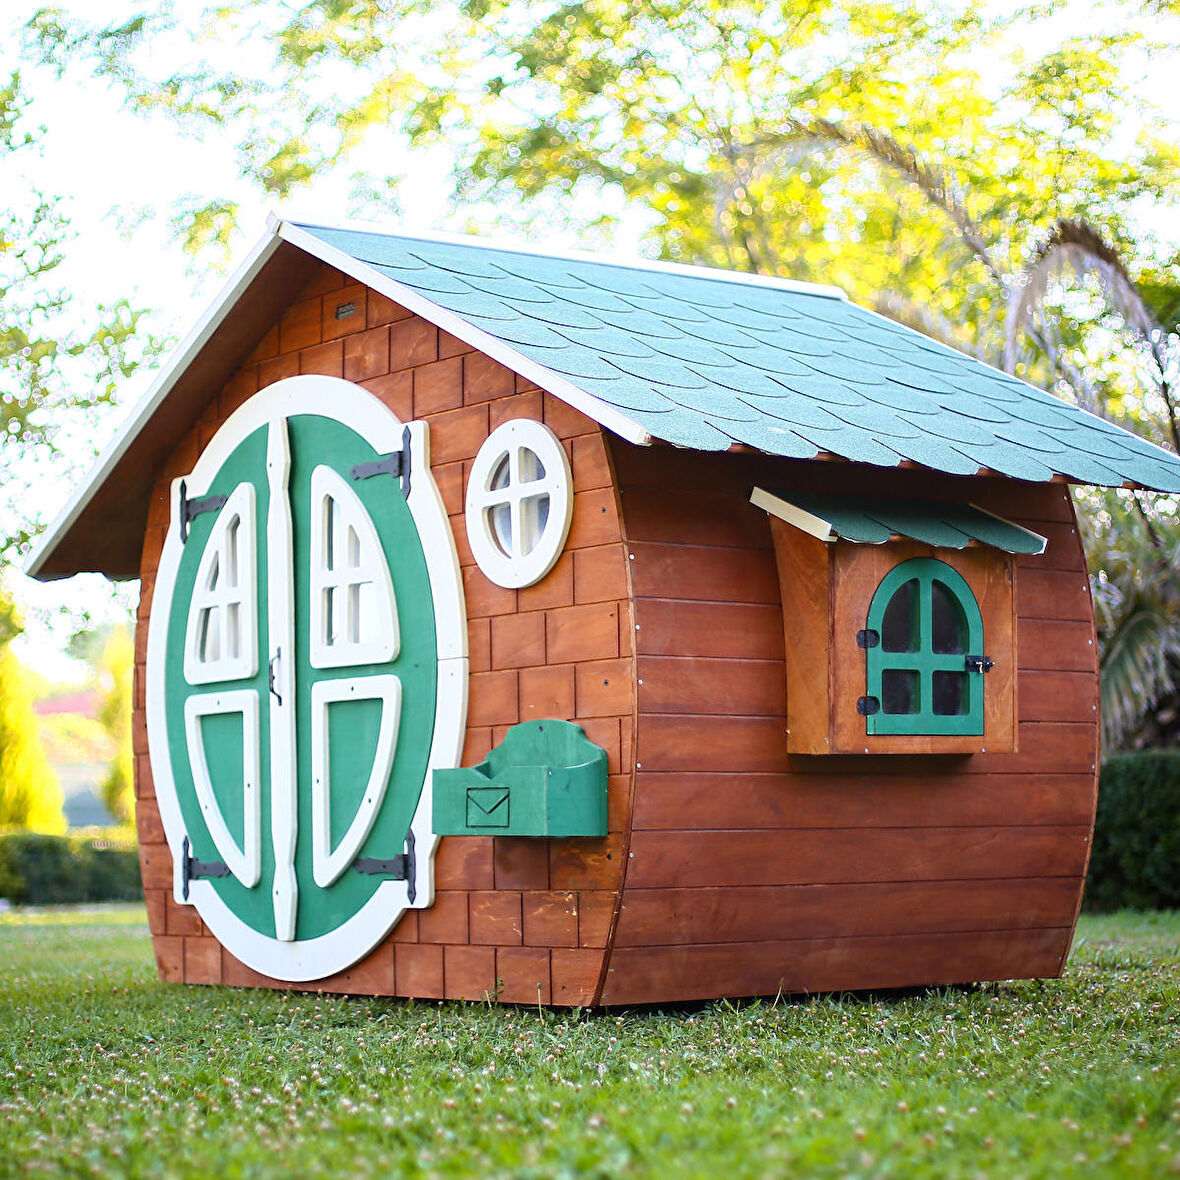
(860,142)
(1161,293)
(1135,861)
(90,865)
(115,677)
(114,1073)
(857,142)
(30,796)
(1134,545)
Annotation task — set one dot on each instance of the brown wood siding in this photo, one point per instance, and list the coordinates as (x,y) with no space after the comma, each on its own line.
(751,871)
(526,918)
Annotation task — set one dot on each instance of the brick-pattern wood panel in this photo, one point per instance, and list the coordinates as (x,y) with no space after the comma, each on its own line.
(750,870)
(563,647)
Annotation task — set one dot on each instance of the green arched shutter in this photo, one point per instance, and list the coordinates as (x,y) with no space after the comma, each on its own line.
(924,623)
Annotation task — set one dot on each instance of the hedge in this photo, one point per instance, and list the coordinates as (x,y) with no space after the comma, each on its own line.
(1135,862)
(95,864)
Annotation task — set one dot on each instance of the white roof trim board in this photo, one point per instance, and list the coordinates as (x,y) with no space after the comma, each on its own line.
(184,354)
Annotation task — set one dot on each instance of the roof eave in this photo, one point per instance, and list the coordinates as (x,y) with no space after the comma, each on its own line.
(50,557)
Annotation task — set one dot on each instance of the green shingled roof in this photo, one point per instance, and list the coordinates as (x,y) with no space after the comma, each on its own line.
(872,521)
(708,359)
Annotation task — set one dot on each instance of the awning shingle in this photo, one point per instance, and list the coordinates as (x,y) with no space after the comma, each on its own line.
(873,521)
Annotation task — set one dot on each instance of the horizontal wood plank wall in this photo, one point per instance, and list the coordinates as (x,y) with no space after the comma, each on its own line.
(752,871)
(525,919)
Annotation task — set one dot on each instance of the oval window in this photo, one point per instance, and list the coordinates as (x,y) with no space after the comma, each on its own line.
(519,503)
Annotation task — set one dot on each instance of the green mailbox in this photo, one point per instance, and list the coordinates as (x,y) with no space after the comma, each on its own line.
(546,778)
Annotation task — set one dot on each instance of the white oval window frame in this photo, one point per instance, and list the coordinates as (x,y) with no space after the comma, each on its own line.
(514,571)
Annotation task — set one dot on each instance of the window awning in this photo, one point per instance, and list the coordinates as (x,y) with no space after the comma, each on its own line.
(872,521)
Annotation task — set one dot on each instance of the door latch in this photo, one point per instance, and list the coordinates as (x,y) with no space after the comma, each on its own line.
(271,676)
(979,663)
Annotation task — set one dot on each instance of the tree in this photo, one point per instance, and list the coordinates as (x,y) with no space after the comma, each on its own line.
(704,115)
(857,142)
(30,796)
(1137,611)
(1133,540)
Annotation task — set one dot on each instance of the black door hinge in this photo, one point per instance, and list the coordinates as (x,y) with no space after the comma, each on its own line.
(868,638)
(397,464)
(979,663)
(191,509)
(192,870)
(397,868)
(867,706)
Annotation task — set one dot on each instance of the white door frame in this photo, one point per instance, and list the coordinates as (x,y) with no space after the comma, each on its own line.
(284,957)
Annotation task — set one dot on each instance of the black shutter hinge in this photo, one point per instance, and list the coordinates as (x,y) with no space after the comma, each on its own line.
(192,870)
(190,509)
(979,663)
(867,706)
(397,868)
(867,639)
(396,464)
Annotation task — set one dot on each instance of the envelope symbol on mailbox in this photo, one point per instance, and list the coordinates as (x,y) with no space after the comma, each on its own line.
(487,807)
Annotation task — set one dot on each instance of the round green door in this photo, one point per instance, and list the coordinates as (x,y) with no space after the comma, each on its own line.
(306,673)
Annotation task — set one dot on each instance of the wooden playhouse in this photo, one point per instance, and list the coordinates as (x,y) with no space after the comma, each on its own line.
(559,630)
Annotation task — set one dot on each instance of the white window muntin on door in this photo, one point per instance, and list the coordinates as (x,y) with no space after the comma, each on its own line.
(309,959)
(221,636)
(244,860)
(329,863)
(519,503)
(353,607)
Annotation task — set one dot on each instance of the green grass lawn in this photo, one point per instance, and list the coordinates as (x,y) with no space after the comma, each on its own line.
(106,1071)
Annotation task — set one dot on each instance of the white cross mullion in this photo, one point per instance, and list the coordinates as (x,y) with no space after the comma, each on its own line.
(517,539)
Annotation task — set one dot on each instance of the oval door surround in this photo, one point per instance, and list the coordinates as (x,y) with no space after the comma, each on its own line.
(285,957)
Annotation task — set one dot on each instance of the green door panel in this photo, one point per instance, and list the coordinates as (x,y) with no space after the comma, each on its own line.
(353,725)
(223,739)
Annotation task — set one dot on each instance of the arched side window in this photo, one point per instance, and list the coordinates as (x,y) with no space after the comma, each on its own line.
(924,653)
